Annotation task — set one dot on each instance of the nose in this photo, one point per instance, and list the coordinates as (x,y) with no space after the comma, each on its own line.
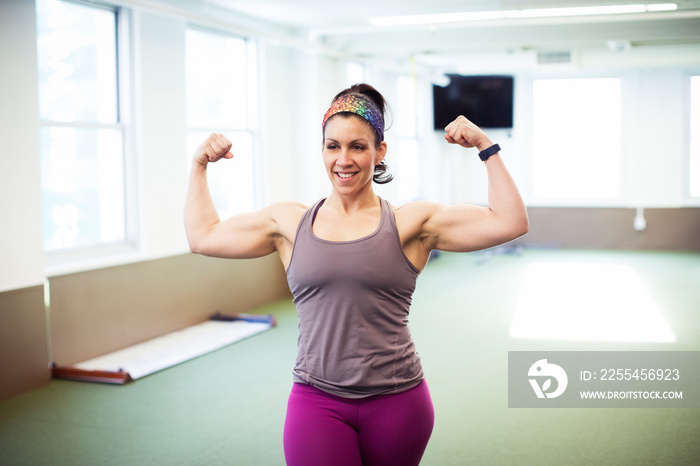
(344,158)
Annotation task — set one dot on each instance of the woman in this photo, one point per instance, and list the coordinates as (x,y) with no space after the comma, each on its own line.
(352,260)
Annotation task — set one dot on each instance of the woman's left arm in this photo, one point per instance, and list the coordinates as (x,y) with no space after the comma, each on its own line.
(462,228)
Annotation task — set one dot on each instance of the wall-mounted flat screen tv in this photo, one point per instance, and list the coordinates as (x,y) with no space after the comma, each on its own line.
(485,100)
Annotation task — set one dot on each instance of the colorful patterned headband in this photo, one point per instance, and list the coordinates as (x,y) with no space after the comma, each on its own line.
(359,105)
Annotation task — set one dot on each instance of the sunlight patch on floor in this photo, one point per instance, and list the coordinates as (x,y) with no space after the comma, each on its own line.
(589,302)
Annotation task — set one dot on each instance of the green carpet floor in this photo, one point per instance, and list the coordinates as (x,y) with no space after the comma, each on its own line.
(228,407)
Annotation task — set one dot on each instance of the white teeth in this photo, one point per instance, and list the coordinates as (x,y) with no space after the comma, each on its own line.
(345,175)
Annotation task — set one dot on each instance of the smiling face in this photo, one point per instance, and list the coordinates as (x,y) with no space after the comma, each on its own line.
(350,153)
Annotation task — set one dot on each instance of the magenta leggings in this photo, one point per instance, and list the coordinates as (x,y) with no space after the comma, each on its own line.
(383,430)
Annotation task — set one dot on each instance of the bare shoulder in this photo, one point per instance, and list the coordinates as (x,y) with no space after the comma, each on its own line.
(412,217)
(286,208)
(286,214)
(416,212)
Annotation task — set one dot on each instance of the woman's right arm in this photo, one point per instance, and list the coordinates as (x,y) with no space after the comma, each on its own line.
(243,236)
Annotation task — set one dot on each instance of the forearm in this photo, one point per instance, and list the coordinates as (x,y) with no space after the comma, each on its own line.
(200,212)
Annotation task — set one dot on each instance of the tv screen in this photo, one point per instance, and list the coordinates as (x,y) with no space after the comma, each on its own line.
(485,100)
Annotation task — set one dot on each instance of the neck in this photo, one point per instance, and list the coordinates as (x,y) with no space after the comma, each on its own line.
(353,203)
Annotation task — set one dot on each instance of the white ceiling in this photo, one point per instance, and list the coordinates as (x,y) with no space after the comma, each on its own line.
(342,14)
(342,26)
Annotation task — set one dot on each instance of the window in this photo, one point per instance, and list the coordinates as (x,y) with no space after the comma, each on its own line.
(695,136)
(81,137)
(223,102)
(576,134)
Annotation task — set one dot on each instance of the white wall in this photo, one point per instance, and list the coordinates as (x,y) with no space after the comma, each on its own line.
(160,116)
(655,137)
(285,140)
(21,249)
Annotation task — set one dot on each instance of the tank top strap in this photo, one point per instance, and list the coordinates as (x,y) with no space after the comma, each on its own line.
(304,229)
(387,212)
(309,216)
(388,216)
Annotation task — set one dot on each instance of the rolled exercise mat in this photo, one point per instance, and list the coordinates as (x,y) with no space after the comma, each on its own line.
(142,359)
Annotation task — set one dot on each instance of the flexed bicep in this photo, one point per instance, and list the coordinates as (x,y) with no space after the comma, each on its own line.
(251,234)
(466,227)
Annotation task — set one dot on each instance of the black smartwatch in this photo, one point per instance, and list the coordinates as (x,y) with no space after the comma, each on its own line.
(486,153)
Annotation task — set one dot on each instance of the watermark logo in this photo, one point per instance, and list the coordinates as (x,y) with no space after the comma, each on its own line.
(603,379)
(544,371)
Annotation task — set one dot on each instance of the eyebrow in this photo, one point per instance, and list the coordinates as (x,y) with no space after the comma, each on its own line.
(354,141)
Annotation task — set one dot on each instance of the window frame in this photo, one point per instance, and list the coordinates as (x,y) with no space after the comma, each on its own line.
(71,259)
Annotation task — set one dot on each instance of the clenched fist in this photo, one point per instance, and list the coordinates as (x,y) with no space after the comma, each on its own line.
(215,147)
(465,133)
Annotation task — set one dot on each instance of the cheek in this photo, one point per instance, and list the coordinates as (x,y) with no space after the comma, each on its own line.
(328,161)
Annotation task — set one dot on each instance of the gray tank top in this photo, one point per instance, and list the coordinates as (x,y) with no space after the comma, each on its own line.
(353,299)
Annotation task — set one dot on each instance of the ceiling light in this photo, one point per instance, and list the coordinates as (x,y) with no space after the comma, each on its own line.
(575,11)
(662,7)
(414,20)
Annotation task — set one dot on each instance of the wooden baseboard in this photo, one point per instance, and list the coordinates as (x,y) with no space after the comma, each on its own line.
(73,373)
